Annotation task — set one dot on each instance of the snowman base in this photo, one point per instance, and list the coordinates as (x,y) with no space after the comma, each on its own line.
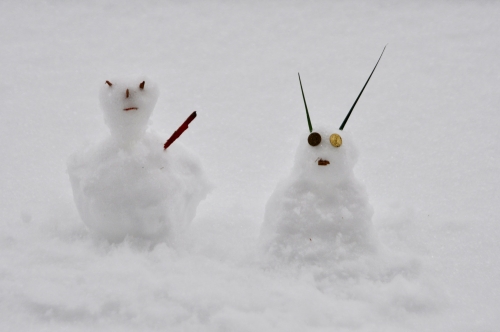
(137,190)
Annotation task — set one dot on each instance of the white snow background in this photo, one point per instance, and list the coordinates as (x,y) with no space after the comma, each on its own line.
(426,129)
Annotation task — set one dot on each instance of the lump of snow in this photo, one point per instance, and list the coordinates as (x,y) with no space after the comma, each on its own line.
(127,185)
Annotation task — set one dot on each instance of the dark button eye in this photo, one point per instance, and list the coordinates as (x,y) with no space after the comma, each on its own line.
(314,139)
(141,86)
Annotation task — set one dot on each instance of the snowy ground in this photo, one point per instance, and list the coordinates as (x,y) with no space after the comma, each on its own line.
(425,128)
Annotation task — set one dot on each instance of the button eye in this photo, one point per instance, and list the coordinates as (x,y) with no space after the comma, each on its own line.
(335,140)
(314,139)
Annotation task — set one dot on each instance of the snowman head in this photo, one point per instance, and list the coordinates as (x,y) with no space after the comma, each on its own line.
(127,105)
(325,151)
(332,159)
(326,147)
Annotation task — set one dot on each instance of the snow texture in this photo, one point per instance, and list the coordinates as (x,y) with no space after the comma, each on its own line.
(127,185)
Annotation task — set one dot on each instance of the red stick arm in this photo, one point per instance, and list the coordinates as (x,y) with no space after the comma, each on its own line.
(179,131)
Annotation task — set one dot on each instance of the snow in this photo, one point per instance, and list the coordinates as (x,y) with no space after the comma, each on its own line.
(425,129)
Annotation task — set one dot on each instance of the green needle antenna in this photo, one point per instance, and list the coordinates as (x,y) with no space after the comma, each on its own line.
(305,104)
(349,114)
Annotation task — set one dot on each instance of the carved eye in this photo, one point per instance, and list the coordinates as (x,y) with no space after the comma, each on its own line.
(141,86)
(314,139)
(127,94)
(335,140)
(109,83)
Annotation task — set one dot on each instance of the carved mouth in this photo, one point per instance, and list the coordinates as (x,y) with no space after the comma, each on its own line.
(130,109)
(322,162)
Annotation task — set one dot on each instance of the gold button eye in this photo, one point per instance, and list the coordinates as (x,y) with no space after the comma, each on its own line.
(335,140)
(314,139)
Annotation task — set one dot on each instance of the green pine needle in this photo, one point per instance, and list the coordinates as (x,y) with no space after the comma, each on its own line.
(350,111)
(305,104)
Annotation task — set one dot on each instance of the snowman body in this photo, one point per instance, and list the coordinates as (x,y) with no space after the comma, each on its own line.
(127,185)
(320,212)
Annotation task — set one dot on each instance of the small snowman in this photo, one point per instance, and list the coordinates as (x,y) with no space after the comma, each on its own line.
(320,213)
(130,184)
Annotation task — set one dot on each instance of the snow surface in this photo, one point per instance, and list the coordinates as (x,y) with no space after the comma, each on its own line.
(425,128)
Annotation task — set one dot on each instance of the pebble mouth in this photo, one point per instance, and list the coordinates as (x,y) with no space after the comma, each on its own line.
(322,162)
(130,109)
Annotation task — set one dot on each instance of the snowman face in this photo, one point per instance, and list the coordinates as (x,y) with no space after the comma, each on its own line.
(314,139)
(127,105)
(331,155)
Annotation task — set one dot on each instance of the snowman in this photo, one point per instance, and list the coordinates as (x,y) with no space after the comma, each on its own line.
(130,184)
(320,213)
